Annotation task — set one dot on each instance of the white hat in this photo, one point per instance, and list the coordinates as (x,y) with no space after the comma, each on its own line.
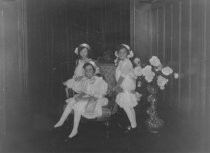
(76,51)
(130,55)
(126,46)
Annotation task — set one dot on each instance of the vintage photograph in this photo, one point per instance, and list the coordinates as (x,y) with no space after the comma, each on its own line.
(104,76)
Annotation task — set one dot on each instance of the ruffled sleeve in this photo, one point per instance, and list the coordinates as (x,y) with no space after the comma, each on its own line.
(126,68)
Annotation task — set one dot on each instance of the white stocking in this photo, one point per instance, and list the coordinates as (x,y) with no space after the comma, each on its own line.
(131,116)
(77,117)
(65,114)
(134,116)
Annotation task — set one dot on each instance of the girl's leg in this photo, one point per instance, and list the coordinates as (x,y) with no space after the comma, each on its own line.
(131,116)
(77,117)
(134,116)
(65,114)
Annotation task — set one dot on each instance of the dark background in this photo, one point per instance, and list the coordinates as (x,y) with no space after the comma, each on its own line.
(55,28)
(38,38)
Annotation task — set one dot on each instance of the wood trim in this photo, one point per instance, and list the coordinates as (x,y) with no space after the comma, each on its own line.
(171,50)
(204,61)
(151,34)
(23,45)
(164,34)
(157,32)
(132,24)
(190,50)
(180,49)
(2,73)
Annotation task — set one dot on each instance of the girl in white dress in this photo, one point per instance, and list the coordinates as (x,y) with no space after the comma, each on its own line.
(126,84)
(82,51)
(88,103)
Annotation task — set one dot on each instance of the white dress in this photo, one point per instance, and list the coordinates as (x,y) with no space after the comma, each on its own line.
(126,98)
(96,87)
(79,71)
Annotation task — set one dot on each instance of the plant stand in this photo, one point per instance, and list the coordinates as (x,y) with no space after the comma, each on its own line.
(153,123)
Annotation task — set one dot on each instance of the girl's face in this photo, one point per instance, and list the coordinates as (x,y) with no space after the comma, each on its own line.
(83,53)
(89,71)
(122,53)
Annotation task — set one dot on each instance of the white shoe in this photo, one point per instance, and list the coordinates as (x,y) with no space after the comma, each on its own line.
(58,125)
(73,134)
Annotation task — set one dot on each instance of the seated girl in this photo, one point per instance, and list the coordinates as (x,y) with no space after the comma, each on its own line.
(88,103)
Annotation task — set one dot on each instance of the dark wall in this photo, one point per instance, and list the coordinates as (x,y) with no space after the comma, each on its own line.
(56,27)
(13,62)
(37,40)
(177,31)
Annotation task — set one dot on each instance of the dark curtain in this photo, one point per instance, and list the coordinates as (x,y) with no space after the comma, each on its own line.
(56,27)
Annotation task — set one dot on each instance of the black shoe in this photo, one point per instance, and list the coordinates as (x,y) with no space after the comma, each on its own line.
(53,129)
(67,140)
(129,129)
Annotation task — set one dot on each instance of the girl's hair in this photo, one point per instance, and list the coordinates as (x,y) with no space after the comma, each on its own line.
(89,64)
(80,48)
(122,47)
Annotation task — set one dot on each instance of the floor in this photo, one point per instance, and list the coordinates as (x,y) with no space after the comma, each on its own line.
(38,137)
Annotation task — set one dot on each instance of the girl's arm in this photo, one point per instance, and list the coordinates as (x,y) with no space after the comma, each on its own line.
(120,80)
(126,69)
(117,88)
(76,64)
(89,98)
(80,96)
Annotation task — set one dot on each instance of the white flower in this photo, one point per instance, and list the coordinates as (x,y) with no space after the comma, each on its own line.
(138,96)
(167,71)
(154,61)
(138,71)
(137,61)
(146,70)
(148,73)
(130,54)
(149,78)
(139,84)
(176,75)
(161,82)
(158,68)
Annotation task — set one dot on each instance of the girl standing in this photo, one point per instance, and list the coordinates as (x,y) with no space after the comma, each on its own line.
(126,84)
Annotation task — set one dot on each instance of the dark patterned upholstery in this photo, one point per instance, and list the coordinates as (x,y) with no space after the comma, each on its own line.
(108,72)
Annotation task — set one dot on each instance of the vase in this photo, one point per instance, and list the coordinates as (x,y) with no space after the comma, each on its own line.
(154,123)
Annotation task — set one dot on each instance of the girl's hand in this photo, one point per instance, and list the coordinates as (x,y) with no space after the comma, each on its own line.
(133,92)
(77,98)
(78,78)
(64,83)
(92,99)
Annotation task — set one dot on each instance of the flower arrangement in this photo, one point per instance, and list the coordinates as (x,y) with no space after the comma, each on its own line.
(154,73)
(156,76)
